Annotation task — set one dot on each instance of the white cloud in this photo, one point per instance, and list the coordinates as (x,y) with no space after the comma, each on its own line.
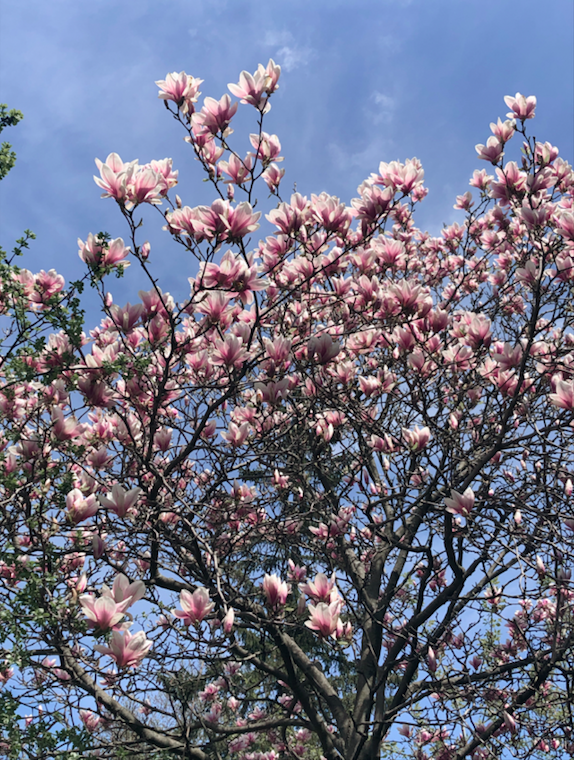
(292,57)
(383,108)
(288,53)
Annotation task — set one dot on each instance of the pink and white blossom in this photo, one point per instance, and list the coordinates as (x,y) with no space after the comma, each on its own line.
(276,591)
(120,501)
(324,618)
(460,504)
(126,649)
(195,606)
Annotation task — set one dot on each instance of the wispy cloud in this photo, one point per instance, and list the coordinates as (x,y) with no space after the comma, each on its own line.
(381,108)
(288,53)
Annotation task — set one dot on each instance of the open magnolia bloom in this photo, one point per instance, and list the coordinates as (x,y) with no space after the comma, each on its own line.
(126,649)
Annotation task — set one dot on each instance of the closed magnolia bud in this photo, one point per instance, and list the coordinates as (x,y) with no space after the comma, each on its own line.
(228,620)
(509,722)
(98,547)
(82,583)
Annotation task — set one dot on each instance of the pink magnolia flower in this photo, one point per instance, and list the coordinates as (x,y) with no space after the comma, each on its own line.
(215,115)
(397,176)
(509,722)
(79,507)
(565,225)
(272,392)
(267,146)
(145,186)
(123,592)
(278,349)
(228,620)
(155,302)
(535,216)
(240,220)
(81,583)
(181,88)
(297,572)
(324,618)
(321,589)
(417,439)
(252,88)
(65,428)
(511,182)
(236,435)
(114,175)
(229,352)
(564,267)
(238,170)
(194,606)
(162,438)
(545,153)
(46,284)
(431,660)
(126,649)
(275,590)
(164,167)
(90,720)
(481,179)
(528,274)
(323,347)
(460,504)
(563,398)
(540,566)
(119,500)
(372,203)
(272,177)
(506,355)
(95,253)
(98,546)
(492,151)
(478,331)
(273,72)
(476,662)
(503,129)
(103,612)
(126,318)
(464,202)
(520,107)
(330,213)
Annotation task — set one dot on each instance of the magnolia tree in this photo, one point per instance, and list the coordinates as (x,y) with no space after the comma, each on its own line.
(319,507)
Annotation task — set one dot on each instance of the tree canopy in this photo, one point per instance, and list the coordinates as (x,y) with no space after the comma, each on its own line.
(318,505)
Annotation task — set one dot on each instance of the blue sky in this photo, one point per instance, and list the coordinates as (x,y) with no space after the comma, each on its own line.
(362,82)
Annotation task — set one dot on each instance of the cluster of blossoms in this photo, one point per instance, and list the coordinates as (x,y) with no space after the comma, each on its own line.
(317,472)
(132,184)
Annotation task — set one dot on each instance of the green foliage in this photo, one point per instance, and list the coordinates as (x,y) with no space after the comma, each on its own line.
(7,156)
